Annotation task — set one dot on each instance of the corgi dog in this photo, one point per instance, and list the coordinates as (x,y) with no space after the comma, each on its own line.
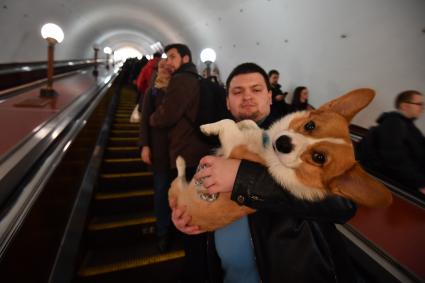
(309,153)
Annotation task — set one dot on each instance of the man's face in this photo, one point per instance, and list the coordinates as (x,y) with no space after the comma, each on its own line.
(274,79)
(414,108)
(174,60)
(248,97)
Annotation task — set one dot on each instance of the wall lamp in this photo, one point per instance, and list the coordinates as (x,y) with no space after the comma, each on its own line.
(95,50)
(208,57)
(53,34)
(108,51)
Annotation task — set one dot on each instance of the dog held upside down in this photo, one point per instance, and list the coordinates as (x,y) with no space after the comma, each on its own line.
(309,153)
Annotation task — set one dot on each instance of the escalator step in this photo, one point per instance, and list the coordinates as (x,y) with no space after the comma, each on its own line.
(97,225)
(119,202)
(126,175)
(135,193)
(125,125)
(131,263)
(122,152)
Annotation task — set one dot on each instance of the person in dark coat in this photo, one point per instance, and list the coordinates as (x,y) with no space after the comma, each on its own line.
(154,152)
(286,239)
(396,147)
(300,99)
(177,112)
(279,106)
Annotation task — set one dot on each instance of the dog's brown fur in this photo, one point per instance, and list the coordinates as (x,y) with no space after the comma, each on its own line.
(342,177)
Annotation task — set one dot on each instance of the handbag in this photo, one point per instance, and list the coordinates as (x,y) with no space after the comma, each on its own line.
(135,115)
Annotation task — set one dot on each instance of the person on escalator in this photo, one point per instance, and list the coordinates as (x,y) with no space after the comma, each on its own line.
(396,147)
(154,152)
(286,239)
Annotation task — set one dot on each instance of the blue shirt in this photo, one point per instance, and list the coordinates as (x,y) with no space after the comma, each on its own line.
(235,249)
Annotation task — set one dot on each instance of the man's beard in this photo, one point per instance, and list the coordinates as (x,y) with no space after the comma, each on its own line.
(252,116)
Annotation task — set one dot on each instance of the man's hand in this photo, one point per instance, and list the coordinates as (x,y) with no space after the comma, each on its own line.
(219,173)
(280,97)
(181,220)
(422,190)
(146,155)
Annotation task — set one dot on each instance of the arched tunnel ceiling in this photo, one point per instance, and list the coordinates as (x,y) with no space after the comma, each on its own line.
(331,46)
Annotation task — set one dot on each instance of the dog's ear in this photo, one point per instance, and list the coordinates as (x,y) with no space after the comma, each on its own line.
(357,185)
(351,103)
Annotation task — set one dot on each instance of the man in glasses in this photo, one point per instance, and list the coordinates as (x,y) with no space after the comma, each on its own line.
(396,147)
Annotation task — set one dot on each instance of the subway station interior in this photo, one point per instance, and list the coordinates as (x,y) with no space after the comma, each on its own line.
(76,199)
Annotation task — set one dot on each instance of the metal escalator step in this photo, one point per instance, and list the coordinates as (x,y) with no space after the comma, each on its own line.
(122,148)
(97,226)
(121,195)
(126,125)
(122,115)
(124,139)
(122,160)
(126,175)
(125,132)
(131,263)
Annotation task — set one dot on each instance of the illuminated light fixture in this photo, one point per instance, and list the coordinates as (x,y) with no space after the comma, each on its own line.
(164,56)
(208,57)
(107,50)
(53,34)
(157,47)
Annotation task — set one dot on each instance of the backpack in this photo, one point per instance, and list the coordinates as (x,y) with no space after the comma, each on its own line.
(212,106)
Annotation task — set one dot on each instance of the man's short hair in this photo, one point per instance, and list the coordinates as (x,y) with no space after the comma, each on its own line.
(182,49)
(248,68)
(157,55)
(273,72)
(405,96)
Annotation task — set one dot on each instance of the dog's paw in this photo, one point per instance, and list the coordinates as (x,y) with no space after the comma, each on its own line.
(247,124)
(216,128)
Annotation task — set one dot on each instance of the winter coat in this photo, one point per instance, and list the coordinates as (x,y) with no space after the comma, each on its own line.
(178,112)
(155,138)
(294,240)
(396,149)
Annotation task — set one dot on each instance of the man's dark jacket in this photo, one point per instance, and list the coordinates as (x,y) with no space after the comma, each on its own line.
(177,112)
(294,241)
(396,149)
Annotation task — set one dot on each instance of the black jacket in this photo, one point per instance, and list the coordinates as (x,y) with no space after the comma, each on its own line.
(396,149)
(294,240)
(176,112)
(279,108)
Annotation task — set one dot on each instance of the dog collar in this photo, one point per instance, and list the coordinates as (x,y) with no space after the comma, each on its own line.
(266,139)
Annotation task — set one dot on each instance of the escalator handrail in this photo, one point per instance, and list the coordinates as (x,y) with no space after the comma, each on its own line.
(54,137)
(36,66)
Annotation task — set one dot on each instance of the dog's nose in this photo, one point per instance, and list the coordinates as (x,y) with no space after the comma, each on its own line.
(283,144)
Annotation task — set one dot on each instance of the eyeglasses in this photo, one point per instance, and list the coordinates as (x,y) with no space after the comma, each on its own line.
(416,103)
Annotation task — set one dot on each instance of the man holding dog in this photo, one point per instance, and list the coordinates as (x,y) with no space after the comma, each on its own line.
(286,239)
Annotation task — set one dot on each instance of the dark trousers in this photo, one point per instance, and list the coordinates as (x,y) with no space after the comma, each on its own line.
(161,182)
(195,247)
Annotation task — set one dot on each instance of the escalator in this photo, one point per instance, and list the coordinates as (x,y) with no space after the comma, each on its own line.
(119,243)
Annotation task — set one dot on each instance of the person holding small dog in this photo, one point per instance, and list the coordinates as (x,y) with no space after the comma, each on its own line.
(286,239)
